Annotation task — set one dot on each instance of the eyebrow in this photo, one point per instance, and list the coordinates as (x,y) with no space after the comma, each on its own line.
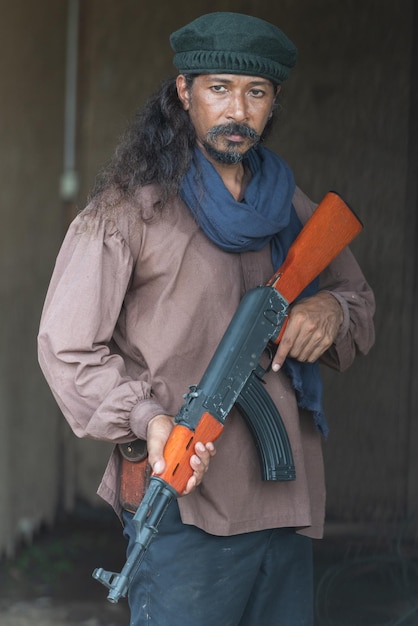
(221,79)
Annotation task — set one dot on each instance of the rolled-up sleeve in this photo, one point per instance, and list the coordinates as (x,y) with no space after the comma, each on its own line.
(345,280)
(88,380)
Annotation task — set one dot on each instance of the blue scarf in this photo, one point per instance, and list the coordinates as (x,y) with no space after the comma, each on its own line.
(266,215)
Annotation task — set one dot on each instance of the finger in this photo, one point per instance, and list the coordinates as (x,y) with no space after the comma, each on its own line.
(191,485)
(158,432)
(204,451)
(155,455)
(196,478)
(304,347)
(284,348)
(199,463)
(210,447)
(311,344)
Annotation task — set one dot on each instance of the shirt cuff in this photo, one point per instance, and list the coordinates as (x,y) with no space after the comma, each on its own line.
(345,325)
(142,414)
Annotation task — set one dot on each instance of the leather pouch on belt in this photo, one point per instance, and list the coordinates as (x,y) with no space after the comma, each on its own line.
(135,474)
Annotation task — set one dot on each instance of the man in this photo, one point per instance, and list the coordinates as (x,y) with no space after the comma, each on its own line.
(192,212)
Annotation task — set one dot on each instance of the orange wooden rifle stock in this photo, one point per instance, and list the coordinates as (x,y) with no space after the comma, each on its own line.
(233,377)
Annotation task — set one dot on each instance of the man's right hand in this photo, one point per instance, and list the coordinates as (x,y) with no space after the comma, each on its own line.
(159,429)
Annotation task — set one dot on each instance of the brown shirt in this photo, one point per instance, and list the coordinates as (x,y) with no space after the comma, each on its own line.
(133,314)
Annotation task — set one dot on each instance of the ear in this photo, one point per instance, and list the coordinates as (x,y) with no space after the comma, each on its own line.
(183,91)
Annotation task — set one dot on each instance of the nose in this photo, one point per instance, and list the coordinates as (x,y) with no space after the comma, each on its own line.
(237,109)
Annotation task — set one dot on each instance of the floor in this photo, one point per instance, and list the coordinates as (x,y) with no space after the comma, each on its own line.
(359,580)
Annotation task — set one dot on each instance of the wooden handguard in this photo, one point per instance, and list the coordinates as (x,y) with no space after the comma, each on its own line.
(180,448)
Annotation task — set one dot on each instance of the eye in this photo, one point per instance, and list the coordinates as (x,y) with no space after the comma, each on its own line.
(218,88)
(257,93)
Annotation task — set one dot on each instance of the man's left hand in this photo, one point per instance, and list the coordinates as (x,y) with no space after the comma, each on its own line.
(312,327)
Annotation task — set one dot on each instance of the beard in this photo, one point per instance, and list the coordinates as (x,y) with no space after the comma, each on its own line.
(229,155)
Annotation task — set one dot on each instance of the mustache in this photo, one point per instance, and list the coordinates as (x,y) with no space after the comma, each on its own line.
(233,128)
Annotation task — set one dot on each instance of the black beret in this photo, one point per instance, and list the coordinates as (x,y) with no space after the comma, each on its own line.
(233,43)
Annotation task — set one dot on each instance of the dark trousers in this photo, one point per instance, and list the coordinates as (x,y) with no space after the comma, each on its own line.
(191,578)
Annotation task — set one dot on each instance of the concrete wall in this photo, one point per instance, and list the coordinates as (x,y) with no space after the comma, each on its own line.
(345,125)
(32,44)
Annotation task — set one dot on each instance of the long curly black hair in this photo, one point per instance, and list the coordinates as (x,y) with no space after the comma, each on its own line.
(155,148)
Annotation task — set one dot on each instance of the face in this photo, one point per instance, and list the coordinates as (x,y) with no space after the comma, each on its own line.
(229,112)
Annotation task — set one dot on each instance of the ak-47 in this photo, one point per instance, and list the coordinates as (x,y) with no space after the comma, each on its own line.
(234,377)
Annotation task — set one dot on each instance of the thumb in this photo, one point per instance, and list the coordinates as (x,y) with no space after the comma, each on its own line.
(158,432)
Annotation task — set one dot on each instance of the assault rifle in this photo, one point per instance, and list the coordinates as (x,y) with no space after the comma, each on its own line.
(234,377)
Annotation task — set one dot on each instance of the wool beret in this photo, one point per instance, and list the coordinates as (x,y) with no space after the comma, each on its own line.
(233,43)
